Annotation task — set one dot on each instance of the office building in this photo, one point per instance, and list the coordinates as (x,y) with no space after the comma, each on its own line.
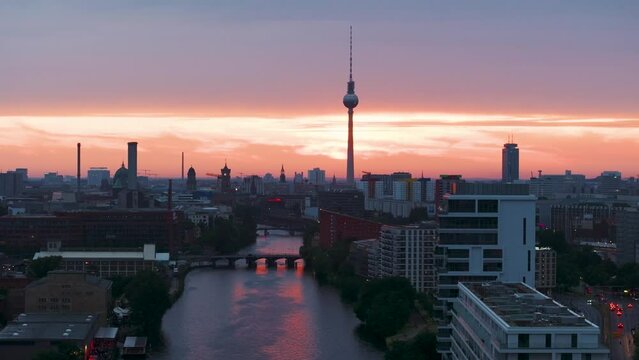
(345,201)
(545,269)
(509,163)
(501,321)
(487,232)
(107,263)
(316,176)
(362,256)
(81,229)
(97,175)
(336,227)
(407,251)
(69,292)
(627,237)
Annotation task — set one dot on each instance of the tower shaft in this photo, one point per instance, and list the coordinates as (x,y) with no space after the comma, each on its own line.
(350,162)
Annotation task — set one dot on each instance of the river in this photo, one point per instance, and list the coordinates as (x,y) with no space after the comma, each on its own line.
(261,314)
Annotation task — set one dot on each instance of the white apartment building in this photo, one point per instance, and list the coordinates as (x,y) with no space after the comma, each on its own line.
(408,251)
(486,233)
(513,321)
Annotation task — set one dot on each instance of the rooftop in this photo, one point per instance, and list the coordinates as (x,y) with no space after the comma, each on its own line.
(53,327)
(519,305)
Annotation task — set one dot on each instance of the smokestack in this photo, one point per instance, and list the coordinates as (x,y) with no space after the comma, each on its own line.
(133,166)
(182,165)
(78,167)
(170,205)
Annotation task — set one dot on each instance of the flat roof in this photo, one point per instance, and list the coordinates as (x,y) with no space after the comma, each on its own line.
(54,327)
(519,305)
(91,254)
(134,341)
(106,333)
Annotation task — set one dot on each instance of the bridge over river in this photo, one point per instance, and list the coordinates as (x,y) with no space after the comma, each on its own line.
(251,260)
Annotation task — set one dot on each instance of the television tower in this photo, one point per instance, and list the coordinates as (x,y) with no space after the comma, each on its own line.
(350,101)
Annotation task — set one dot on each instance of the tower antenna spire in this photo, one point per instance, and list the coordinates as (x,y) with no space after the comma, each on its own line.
(350,48)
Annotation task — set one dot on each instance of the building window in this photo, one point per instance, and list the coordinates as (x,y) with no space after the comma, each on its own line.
(524,232)
(528,260)
(493,266)
(458,253)
(548,340)
(523,340)
(573,340)
(586,356)
(42,300)
(524,356)
(567,356)
(456,206)
(487,206)
(492,254)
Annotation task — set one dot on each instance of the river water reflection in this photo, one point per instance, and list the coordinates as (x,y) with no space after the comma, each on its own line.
(261,314)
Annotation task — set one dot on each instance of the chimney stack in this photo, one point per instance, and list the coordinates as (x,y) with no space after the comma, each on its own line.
(133,166)
(182,165)
(78,167)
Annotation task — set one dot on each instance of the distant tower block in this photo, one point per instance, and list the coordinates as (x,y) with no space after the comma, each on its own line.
(191,180)
(350,101)
(282,175)
(510,162)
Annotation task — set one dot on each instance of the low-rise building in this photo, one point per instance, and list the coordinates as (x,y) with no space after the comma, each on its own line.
(116,262)
(30,334)
(69,292)
(504,321)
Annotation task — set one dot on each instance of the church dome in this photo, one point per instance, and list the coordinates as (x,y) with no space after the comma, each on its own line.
(121,177)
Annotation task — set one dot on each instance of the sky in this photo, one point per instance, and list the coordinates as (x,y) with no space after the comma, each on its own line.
(441,85)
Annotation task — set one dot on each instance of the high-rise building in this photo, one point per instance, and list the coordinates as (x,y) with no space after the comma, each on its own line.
(252,185)
(316,176)
(24,172)
(282,175)
(350,101)
(509,163)
(545,269)
(53,179)
(96,175)
(191,180)
(495,321)
(627,237)
(446,184)
(486,233)
(407,251)
(11,183)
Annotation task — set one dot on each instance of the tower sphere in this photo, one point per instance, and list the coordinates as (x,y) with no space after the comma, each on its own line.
(351,101)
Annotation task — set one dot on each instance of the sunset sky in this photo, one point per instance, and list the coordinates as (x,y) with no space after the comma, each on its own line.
(441,85)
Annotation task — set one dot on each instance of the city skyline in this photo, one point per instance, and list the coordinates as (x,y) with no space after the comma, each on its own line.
(440,98)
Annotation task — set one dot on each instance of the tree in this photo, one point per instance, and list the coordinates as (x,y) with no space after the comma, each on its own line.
(148,295)
(388,313)
(379,286)
(40,267)
(423,346)
(65,351)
